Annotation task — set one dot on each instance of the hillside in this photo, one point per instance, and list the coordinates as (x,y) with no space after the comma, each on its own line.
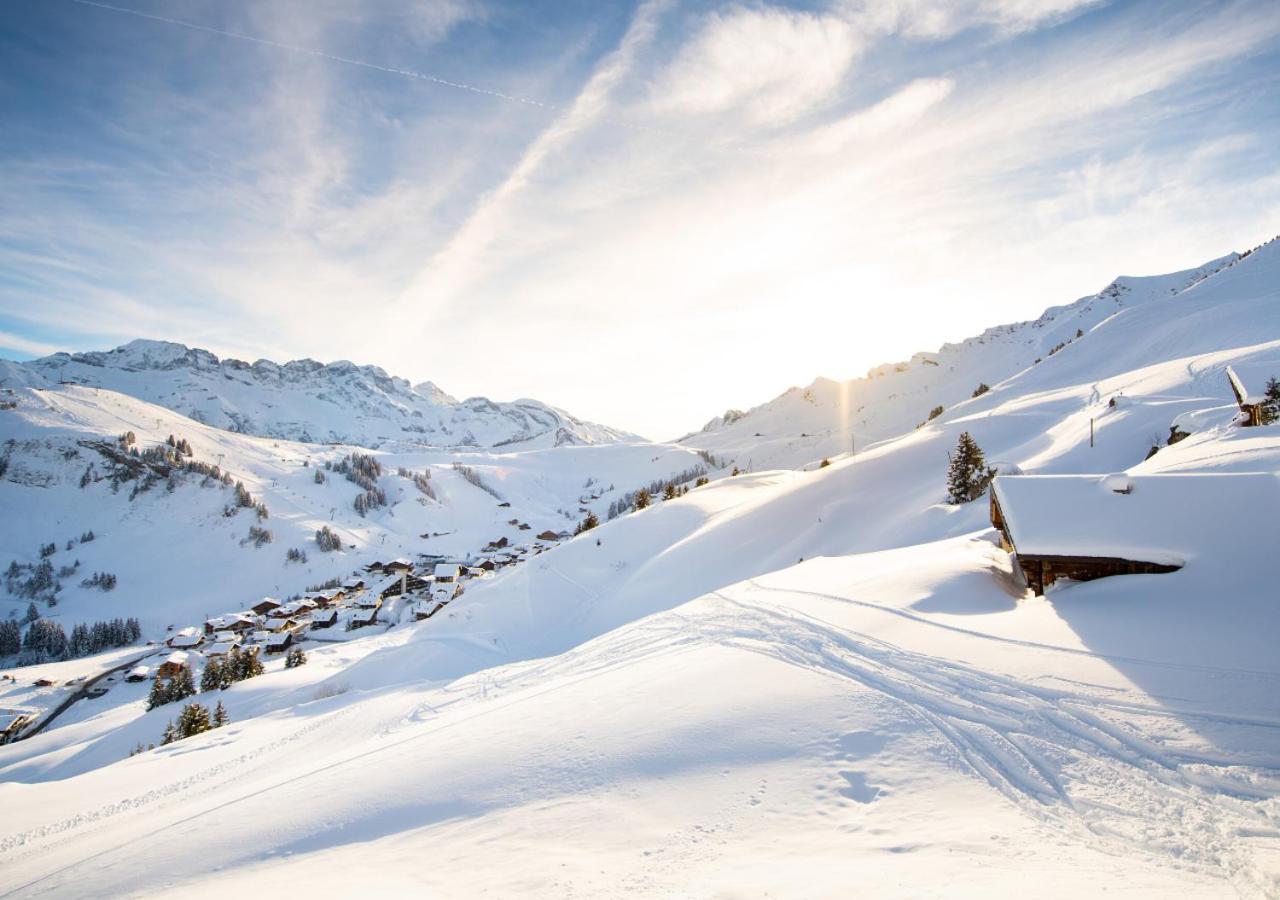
(308,401)
(179,557)
(781,682)
(828,418)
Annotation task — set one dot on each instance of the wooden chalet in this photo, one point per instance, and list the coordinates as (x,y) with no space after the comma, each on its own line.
(324,618)
(362,618)
(266,606)
(279,643)
(425,609)
(173,664)
(186,638)
(1251,408)
(138,673)
(239,622)
(1083,527)
(277,624)
(447,573)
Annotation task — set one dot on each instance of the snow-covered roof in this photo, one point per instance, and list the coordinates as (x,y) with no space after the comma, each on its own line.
(446,570)
(178,658)
(1165,518)
(222,648)
(139,672)
(275,640)
(187,637)
(364,615)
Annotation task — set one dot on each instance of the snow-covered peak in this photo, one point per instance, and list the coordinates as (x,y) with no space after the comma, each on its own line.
(826,418)
(307,400)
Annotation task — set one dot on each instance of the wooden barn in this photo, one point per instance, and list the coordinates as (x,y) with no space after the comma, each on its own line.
(362,618)
(13,721)
(1251,408)
(1084,527)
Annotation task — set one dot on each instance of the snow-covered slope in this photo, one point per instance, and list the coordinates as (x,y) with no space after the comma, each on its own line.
(786,682)
(308,401)
(803,425)
(178,557)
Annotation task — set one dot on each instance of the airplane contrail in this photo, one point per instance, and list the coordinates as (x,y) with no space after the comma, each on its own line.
(266,42)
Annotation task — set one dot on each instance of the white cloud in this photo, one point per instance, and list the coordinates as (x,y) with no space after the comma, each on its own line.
(771,65)
(936,19)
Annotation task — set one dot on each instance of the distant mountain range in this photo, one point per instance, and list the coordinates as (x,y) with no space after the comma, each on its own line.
(310,401)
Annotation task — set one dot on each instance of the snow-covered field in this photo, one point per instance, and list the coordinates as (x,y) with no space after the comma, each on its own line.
(790,682)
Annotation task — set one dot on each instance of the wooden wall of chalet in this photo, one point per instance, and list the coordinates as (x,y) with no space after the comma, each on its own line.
(1042,571)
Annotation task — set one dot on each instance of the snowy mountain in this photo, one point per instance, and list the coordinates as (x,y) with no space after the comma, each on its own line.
(804,425)
(308,401)
(786,682)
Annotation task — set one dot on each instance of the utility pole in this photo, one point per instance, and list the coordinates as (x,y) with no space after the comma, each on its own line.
(1091,431)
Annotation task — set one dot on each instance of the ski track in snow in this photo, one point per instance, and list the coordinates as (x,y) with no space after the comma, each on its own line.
(1048,750)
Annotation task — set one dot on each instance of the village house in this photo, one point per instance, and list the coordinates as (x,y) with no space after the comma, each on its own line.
(362,618)
(174,663)
(221,649)
(266,606)
(324,618)
(238,622)
(351,585)
(425,609)
(446,573)
(279,643)
(186,638)
(1082,527)
(277,624)
(138,673)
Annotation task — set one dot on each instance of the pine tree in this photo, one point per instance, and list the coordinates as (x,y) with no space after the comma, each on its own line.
(1271,402)
(159,695)
(968,474)
(591,521)
(669,492)
(193,720)
(220,716)
(32,614)
(825,462)
(642,500)
(296,657)
(211,678)
(170,734)
(181,686)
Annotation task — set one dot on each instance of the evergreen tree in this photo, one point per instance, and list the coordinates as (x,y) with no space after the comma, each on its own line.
(159,695)
(220,716)
(32,614)
(296,657)
(170,734)
(702,479)
(669,492)
(968,474)
(193,720)
(825,462)
(211,678)
(1271,402)
(591,521)
(10,637)
(642,500)
(181,686)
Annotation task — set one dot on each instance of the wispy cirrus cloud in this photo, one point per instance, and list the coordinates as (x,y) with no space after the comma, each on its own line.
(709,203)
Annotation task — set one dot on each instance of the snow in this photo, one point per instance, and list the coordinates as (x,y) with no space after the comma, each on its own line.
(308,401)
(789,682)
(1164,518)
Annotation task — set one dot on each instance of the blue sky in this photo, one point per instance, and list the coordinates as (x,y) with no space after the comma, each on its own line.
(643,212)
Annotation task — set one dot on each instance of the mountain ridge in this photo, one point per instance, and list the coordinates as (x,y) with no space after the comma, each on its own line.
(307,400)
